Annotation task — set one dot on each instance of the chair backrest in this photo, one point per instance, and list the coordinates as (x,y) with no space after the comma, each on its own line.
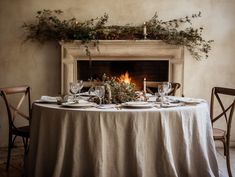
(88,84)
(14,111)
(226,111)
(152,87)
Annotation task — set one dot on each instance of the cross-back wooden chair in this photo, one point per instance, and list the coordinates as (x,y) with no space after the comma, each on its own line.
(227,114)
(152,87)
(88,84)
(14,112)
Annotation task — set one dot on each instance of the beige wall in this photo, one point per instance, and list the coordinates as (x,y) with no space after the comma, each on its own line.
(39,65)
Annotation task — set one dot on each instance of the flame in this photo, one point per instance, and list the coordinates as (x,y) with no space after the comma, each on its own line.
(125,78)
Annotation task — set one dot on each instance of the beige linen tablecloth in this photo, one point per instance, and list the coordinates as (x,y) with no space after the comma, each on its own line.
(166,142)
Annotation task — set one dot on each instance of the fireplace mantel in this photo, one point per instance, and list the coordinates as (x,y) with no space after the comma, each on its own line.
(73,51)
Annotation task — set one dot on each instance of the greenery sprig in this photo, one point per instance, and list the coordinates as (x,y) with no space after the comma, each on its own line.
(49,26)
(121,92)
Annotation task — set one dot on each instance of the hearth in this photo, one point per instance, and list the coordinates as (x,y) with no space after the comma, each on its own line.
(150,59)
(137,70)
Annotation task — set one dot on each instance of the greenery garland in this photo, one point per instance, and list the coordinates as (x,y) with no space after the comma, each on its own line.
(49,26)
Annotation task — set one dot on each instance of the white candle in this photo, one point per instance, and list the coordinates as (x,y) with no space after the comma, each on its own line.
(145,85)
(145,30)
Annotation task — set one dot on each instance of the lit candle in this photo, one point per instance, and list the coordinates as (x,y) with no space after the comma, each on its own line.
(145,30)
(145,85)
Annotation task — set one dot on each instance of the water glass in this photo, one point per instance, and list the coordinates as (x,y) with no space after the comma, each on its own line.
(80,86)
(163,89)
(75,87)
(100,92)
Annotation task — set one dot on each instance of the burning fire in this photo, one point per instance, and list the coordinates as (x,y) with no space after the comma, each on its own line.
(125,78)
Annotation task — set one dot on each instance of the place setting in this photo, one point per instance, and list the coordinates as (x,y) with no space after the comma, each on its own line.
(104,97)
(78,100)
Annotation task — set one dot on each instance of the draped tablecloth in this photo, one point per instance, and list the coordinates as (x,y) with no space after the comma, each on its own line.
(92,142)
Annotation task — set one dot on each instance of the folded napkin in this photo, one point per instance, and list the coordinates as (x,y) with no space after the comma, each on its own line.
(187,100)
(169,105)
(77,102)
(87,94)
(47,99)
(82,101)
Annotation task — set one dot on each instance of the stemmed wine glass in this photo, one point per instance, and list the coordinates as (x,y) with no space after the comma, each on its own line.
(100,92)
(75,87)
(163,89)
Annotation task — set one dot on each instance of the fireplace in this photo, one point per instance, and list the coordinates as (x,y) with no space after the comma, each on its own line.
(137,70)
(150,59)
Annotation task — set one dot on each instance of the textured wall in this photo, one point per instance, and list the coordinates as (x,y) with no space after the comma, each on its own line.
(39,65)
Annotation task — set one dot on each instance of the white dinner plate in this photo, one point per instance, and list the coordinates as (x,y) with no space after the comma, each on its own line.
(138,105)
(106,106)
(79,105)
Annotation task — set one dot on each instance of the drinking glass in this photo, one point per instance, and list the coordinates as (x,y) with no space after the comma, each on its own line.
(75,87)
(80,86)
(167,87)
(163,89)
(100,91)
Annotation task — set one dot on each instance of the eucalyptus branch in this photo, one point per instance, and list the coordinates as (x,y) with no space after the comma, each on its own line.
(49,26)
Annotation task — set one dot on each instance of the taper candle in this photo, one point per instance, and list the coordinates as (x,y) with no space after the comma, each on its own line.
(145,30)
(145,85)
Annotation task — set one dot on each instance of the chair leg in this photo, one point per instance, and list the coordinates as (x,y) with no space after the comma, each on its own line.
(25,142)
(225,147)
(228,161)
(9,150)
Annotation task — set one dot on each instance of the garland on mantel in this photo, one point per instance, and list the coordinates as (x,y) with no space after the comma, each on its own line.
(48,26)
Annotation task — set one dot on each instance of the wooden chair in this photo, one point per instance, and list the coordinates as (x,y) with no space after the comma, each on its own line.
(15,112)
(88,84)
(227,114)
(152,87)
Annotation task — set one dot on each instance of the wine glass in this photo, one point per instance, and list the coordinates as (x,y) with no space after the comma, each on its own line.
(163,89)
(75,87)
(100,91)
(167,87)
(80,86)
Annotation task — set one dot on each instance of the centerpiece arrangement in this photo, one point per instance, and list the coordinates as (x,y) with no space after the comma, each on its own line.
(118,91)
(49,26)
(114,91)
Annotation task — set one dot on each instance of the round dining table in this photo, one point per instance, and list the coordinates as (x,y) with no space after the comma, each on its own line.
(121,142)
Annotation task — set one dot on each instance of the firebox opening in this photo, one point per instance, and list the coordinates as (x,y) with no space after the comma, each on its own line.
(137,70)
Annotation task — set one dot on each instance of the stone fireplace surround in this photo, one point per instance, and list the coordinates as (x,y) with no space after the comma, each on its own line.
(121,50)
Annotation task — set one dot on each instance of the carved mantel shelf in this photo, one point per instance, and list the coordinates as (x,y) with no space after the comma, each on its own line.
(73,51)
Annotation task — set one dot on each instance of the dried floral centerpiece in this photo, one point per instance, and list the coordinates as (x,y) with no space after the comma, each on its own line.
(49,26)
(116,91)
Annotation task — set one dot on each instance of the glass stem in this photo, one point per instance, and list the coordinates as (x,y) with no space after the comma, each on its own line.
(100,100)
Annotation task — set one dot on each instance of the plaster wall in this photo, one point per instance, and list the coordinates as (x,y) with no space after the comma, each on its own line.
(39,65)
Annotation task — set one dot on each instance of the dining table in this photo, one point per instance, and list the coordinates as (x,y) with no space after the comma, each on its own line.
(121,141)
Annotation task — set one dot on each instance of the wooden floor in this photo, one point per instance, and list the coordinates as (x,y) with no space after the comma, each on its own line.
(16,165)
